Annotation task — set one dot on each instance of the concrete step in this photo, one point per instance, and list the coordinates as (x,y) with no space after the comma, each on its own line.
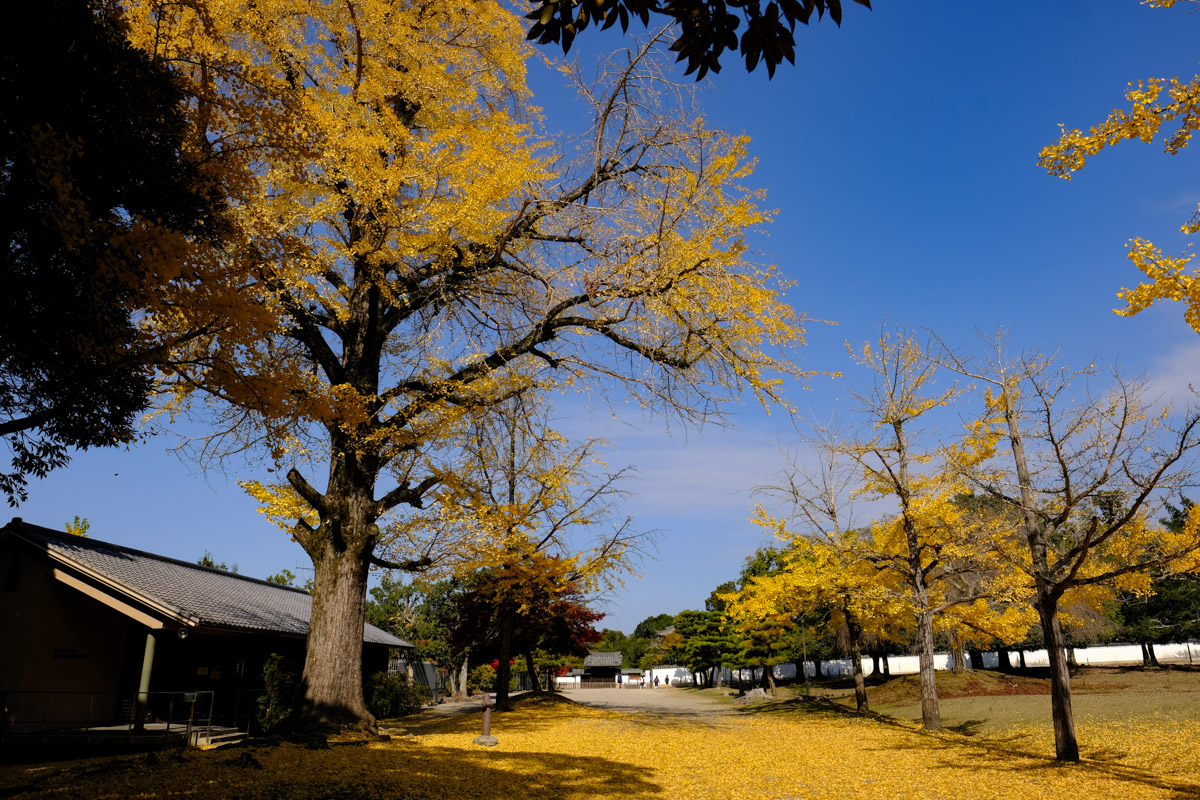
(217,735)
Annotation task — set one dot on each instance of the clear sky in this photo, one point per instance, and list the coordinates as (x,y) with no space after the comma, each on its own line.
(900,153)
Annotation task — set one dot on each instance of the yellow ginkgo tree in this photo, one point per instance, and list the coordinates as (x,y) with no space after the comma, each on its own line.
(925,548)
(824,571)
(1084,475)
(542,518)
(413,250)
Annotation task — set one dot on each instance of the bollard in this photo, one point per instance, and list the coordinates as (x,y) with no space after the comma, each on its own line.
(487,740)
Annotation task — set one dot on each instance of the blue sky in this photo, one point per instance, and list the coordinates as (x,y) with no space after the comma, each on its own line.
(900,153)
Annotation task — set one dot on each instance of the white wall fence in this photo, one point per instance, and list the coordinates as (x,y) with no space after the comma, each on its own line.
(1106,655)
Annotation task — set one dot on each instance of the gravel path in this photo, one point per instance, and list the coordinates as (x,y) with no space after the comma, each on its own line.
(671,702)
(662,701)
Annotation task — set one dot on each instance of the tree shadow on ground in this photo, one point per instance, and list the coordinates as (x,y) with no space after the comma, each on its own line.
(971,727)
(1006,756)
(815,706)
(967,751)
(349,771)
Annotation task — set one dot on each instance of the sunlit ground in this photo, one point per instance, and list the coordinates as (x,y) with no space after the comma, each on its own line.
(549,750)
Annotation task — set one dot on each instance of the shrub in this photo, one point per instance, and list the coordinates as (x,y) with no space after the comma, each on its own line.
(483,679)
(391,695)
(281,700)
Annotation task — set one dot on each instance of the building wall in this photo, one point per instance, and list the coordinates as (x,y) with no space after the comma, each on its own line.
(58,640)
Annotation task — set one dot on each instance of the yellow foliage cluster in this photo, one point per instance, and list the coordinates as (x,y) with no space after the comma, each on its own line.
(582,754)
(412,252)
(1152,103)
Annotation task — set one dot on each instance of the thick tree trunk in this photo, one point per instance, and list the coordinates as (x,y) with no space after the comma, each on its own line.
(860,682)
(333,690)
(464,672)
(503,668)
(1066,746)
(875,668)
(818,672)
(1003,660)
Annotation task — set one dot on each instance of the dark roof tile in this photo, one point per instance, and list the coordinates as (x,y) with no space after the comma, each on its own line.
(602,660)
(209,597)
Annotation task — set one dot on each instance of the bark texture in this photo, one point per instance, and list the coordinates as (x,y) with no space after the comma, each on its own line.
(1066,745)
(860,681)
(333,662)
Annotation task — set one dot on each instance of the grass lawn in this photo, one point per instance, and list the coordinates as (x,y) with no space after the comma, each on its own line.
(987,703)
(552,749)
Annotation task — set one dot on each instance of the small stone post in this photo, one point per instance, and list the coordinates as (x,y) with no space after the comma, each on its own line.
(487,740)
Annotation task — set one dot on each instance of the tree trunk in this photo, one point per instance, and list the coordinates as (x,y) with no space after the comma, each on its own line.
(875,668)
(770,680)
(464,672)
(956,654)
(818,672)
(534,680)
(860,683)
(1066,746)
(1149,659)
(1003,660)
(503,668)
(975,658)
(333,690)
(1021,658)
(931,715)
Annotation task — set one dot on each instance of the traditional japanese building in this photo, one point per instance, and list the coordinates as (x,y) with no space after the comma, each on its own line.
(92,631)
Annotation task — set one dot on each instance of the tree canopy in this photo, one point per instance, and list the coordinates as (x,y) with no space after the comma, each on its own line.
(100,207)
(413,254)
(707,28)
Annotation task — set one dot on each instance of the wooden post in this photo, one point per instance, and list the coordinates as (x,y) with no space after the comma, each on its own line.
(486,739)
(143,698)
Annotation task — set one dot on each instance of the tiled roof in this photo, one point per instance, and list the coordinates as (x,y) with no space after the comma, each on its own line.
(205,597)
(602,660)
